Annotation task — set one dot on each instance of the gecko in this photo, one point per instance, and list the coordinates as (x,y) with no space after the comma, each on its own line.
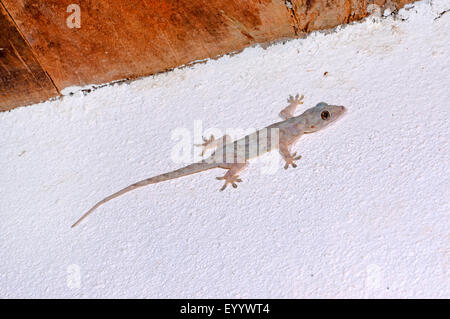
(234,156)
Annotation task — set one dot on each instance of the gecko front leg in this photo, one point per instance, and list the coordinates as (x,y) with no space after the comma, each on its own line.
(286,154)
(289,110)
(232,177)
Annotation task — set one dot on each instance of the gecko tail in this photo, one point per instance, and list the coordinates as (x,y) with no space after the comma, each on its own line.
(184,171)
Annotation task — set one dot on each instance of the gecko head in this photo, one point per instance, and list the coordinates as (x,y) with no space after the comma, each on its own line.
(321,116)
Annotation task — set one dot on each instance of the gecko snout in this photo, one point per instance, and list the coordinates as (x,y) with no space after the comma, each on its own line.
(336,111)
(341,110)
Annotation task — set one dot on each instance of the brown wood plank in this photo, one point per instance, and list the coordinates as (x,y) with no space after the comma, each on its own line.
(131,38)
(120,39)
(311,15)
(22,79)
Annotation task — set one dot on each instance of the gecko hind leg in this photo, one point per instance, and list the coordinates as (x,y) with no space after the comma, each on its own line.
(232,177)
(214,143)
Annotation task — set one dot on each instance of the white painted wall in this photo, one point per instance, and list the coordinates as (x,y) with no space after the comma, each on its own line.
(366,213)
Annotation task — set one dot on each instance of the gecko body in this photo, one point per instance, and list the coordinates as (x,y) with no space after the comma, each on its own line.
(234,156)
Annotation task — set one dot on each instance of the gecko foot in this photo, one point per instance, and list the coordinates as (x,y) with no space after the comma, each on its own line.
(229,180)
(289,110)
(295,100)
(207,144)
(290,160)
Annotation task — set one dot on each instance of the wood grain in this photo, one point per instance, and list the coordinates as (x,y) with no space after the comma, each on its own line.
(123,39)
(131,38)
(22,79)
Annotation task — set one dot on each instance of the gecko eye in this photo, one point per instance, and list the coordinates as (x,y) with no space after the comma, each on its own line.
(325,115)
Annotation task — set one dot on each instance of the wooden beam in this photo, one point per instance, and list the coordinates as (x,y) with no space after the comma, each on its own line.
(131,38)
(123,39)
(22,79)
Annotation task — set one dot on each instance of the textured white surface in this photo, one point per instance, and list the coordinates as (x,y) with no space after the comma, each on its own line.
(366,213)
